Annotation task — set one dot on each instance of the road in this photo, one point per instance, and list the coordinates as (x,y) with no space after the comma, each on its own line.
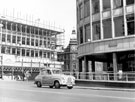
(18,91)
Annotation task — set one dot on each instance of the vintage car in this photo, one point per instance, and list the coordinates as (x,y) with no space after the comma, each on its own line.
(53,77)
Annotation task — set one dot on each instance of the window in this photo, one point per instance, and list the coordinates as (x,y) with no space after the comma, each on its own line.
(3,38)
(23,40)
(36,53)
(87,33)
(86,8)
(36,42)
(44,54)
(9,38)
(117,3)
(95,6)
(32,42)
(107,28)
(28,53)
(23,52)
(130,24)
(3,49)
(18,40)
(119,26)
(44,43)
(96,31)
(40,53)
(106,5)
(13,51)
(28,41)
(80,11)
(32,53)
(13,39)
(40,42)
(18,51)
(8,50)
(81,35)
(129,2)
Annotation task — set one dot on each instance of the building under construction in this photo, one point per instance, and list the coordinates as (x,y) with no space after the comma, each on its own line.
(28,46)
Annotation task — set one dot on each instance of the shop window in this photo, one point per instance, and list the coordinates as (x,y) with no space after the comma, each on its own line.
(23,52)
(80,11)
(129,2)
(32,42)
(13,39)
(81,35)
(87,33)
(130,24)
(36,43)
(119,26)
(107,29)
(13,51)
(9,38)
(28,41)
(86,8)
(95,6)
(96,31)
(3,49)
(117,3)
(3,38)
(32,53)
(36,53)
(23,40)
(106,5)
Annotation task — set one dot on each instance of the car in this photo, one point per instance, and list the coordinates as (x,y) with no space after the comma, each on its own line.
(54,77)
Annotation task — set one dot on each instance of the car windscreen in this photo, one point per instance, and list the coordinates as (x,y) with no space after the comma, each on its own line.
(57,71)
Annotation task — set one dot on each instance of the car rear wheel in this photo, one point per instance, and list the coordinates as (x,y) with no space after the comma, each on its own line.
(39,84)
(57,85)
(51,86)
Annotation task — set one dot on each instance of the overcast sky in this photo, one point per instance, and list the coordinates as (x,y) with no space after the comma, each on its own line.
(61,13)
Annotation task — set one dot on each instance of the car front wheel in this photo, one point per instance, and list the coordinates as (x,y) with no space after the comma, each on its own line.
(69,87)
(39,84)
(57,85)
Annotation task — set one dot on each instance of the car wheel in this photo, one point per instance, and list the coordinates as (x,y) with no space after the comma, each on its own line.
(57,85)
(69,87)
(51,86)
(39,84)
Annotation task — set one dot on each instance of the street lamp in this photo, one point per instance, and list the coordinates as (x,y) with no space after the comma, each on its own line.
(1,25)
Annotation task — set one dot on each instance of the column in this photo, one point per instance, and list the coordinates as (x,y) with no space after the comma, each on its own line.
(86,66)
(93,68)
(115,65)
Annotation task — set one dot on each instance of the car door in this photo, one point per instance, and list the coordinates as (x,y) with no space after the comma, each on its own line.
(46,79)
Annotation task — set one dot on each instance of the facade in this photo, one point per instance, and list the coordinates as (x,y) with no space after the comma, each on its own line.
(106,35)
(26,46)
(70,54)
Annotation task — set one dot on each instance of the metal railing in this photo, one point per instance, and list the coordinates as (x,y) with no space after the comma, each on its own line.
(105,76)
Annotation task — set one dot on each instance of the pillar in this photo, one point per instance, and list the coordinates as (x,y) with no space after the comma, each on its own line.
(115,65)
(93,68)
(86,66)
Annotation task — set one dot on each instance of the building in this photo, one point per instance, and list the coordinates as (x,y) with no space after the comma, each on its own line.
(28,46)
(106,35)
(70,54)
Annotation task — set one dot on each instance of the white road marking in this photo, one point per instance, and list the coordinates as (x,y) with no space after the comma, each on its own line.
(71,94)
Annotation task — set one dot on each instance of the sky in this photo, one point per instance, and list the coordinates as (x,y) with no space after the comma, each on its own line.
(61,13)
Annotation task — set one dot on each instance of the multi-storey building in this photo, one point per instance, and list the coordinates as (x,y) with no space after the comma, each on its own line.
(106,34)
(25,46)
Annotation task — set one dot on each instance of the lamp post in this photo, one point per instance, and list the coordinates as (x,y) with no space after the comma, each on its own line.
(1,25)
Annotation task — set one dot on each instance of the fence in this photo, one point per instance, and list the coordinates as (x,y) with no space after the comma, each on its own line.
(125,76)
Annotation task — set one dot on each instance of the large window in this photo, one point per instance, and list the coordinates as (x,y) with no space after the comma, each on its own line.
(32,42)
(28,41)
(130,24)
(13,51)
(106,5)
(9,38)
(96,31)
(80,11)
(3,38)
(87,33)
(23,40)
(81,35)
(119,26)
(13,39)
(86,8)
(23,52)
(32,53)
(117,3)
(36,43)
(3,49)
(107,28)
(129,2)
(8,50)
(95,6)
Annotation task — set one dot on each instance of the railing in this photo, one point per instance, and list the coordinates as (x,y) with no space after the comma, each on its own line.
(106,76)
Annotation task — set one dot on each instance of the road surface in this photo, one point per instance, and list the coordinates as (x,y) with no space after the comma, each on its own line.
(19,91)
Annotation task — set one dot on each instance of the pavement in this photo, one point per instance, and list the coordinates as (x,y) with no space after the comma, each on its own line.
(83,87)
